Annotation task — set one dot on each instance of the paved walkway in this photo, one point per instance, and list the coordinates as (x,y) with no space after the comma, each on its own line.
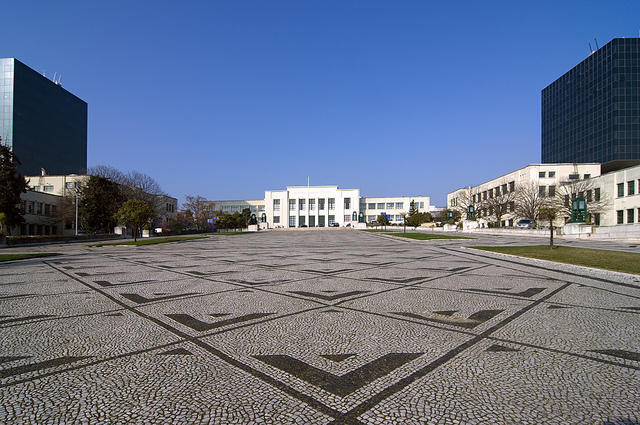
(315,327)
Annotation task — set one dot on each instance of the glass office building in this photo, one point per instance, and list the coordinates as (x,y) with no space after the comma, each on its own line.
(44,124)
(592,113)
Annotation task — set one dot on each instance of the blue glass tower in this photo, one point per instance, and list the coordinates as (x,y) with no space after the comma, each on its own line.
(44,124)
(592,113)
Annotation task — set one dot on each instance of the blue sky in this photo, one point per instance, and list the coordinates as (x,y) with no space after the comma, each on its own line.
(226,99)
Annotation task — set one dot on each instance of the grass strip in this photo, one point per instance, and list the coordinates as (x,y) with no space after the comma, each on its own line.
(11,257)
(417,236)
(626,262)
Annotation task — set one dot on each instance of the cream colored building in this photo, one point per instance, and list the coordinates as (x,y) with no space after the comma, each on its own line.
(322,206)
(545,178)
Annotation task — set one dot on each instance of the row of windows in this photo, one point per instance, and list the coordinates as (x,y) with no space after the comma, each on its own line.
(39,208)
(631,188)
(543,174)
(504,189)
(630,215)
(239,208)
(395,217)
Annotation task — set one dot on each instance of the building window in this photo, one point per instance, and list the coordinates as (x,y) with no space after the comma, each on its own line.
(504,189)
(631,187)
(587,176)
(389,205)
(596,194)
(332,219)
(620,219)
(371,218)
(542,174)
(301,205)
(321,204)
(69,185)
(36,188)
(512,186)
(347,218)
(620,190)
(292,220)
(312,204)
(630,215)
(260,208)
(276,205)
(380,205)
(332,204)
(292,204)
(542,191)
(552,191)
(552,174)
(276,219)
(347,203)
(589,195)
(301,220)
(47,209)
(484,195)
(596,219)
(574,176)
(47,188)
(398,217)
(38,207)
(421,204)
(490,193)
(512,206)
(399,205)
(371,206)
(253,208)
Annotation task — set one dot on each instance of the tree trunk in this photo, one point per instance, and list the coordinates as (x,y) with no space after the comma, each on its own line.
(551,235)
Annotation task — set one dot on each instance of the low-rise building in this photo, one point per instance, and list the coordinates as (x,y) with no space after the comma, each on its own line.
(322,206)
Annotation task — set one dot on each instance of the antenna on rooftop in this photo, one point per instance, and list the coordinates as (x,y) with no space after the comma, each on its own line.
(597,47)
(590,49)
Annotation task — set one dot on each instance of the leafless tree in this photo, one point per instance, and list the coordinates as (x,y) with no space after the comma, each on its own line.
(597,201)
(530,200)
(201,210)
(500,201)
(109,173)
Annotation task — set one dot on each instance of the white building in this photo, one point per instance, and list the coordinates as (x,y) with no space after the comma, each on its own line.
(617,190)
(322,206)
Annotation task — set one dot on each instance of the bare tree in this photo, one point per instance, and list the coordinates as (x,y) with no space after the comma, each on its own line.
(530,200)
(500,201)
(109,173)
(462,202)
(597,201)
(201,210)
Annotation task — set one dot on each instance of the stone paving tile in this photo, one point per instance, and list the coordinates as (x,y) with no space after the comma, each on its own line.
(316,327)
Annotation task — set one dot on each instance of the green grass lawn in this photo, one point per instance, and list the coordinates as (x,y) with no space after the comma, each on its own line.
(626,262)
(417,236)
(10,257)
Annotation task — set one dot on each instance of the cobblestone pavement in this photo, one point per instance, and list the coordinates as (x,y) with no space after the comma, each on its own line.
(315,327)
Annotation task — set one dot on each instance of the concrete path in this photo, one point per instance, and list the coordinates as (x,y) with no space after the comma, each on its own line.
(315,327)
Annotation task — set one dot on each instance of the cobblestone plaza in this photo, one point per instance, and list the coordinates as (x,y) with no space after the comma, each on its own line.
(316,326)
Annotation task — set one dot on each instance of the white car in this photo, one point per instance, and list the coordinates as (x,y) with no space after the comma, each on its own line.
(526,223)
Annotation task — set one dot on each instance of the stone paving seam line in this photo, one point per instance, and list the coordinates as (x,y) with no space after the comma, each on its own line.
(445,358)
(566,353)
(310,401)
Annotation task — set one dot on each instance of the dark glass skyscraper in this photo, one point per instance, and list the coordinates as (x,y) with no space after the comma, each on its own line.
(592,113)
(45,125)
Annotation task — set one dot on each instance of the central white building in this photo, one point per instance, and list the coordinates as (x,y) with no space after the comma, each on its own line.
(322,206)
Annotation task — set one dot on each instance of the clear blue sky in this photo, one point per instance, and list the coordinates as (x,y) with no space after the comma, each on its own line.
(226,99)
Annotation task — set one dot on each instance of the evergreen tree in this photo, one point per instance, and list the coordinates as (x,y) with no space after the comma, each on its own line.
(12,185)
(412,208)
(101,199)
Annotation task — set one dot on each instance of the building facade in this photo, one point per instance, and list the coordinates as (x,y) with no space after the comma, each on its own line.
(44,124)
(592,113)
(322,206)
(540,180)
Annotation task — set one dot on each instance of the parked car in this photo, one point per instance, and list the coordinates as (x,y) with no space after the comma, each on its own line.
(526,223)
(334,225)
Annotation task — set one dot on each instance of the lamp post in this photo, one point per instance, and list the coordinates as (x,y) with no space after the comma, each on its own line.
(77,191)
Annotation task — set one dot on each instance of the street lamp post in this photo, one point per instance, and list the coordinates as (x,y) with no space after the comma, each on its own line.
(77,191)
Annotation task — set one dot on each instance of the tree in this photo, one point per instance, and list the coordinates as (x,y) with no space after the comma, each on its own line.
(382,220)
(100,201)
(417,219)
(499,202)
(135,213)
(246,218)
(550,213)
(200,210)
(12,185)
(412,208)
(597,201)
(530,201)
